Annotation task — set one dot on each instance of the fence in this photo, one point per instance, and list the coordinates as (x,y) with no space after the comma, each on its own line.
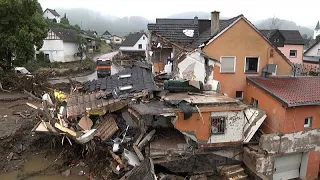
(306,70)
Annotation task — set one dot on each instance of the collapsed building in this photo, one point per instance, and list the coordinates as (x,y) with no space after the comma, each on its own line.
(184,122)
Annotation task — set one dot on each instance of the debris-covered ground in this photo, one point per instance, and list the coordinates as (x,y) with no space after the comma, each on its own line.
(119,127)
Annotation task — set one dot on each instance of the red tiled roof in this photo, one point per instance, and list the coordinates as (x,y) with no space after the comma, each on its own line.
(291,91)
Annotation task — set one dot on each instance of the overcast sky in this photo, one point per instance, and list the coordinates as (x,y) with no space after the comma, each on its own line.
(304,12)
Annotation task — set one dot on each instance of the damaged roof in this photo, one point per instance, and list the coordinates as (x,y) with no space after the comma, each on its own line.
(172,29)
(139,77)
(206,35)
(290,36)
(290,91)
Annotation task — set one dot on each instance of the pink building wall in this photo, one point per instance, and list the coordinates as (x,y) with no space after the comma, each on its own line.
(286,51)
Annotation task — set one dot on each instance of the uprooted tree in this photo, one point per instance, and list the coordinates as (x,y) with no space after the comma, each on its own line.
(22,27)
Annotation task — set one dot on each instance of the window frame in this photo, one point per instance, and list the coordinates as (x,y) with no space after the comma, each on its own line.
(309,124)
(245,64)
(255,102)
(241,95)
(234,65)
(139,46)
(295,53)
(318,53)
(224,124)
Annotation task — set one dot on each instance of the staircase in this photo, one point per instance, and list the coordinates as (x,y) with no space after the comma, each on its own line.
(232,172)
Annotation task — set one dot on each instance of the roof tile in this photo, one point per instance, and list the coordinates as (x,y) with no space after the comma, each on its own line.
(291,91)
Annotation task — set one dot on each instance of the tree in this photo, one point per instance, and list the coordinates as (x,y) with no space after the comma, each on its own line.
(65,21)
(275,23)
(20,31)
(81,47)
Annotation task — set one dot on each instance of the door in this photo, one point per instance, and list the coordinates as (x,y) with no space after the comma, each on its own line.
(287,167)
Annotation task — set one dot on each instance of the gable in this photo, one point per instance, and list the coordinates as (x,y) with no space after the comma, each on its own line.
(243,35)
(313,50)
(277,39)
(52,36)
(242,40)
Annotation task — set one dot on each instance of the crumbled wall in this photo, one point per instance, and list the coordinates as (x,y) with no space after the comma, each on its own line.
(302,141)
(234,128)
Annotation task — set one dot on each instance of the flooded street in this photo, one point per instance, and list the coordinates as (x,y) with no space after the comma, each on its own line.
(37,162)
(114,69)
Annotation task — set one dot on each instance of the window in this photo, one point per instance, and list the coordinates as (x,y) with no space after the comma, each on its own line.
(239,94)
(46,56)
(308,122)
(293,53)
(228,64)
(140,46)
(218,124)
(318,53)
(254,102)
(252,64)
(271,53)
(143,38)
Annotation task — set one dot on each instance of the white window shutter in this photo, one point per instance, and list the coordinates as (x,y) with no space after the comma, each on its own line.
(227,64)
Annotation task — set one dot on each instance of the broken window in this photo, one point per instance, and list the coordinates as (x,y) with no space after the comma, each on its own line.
(228,64)
(140,46)
(293,53)
(239,94)
(254,102)
(218,124)
(252,64)
(307,122)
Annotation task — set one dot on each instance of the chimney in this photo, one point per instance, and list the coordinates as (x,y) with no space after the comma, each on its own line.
(195,20)
(215,24)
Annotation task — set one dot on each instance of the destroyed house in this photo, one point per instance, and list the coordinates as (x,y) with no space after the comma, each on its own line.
(199,122)
(173,37)
(105,94)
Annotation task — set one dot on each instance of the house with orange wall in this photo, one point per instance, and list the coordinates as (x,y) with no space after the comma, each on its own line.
(292,105)
(289,42)
(241,51)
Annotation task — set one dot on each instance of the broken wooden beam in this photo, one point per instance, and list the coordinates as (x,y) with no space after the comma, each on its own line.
(146,139)
(138,152)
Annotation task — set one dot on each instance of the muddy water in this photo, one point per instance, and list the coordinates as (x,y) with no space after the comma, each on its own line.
(38,162)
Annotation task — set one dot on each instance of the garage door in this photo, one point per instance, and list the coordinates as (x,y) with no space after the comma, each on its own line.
(287,167)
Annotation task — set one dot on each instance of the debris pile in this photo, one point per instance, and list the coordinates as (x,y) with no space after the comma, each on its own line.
(125,127)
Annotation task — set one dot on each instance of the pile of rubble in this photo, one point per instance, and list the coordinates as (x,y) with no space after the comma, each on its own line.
(130,129)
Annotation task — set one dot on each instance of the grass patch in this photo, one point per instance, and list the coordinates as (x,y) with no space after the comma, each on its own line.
(105,48)
(61,69)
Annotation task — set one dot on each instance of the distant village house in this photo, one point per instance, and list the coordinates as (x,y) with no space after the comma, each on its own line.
(60,45)
(52,15)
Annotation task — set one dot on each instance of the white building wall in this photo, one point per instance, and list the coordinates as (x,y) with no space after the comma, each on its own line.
(316,33)
(55,50)
(69,50)
(143,41)
(199,72)
(313,51)
(234,127)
